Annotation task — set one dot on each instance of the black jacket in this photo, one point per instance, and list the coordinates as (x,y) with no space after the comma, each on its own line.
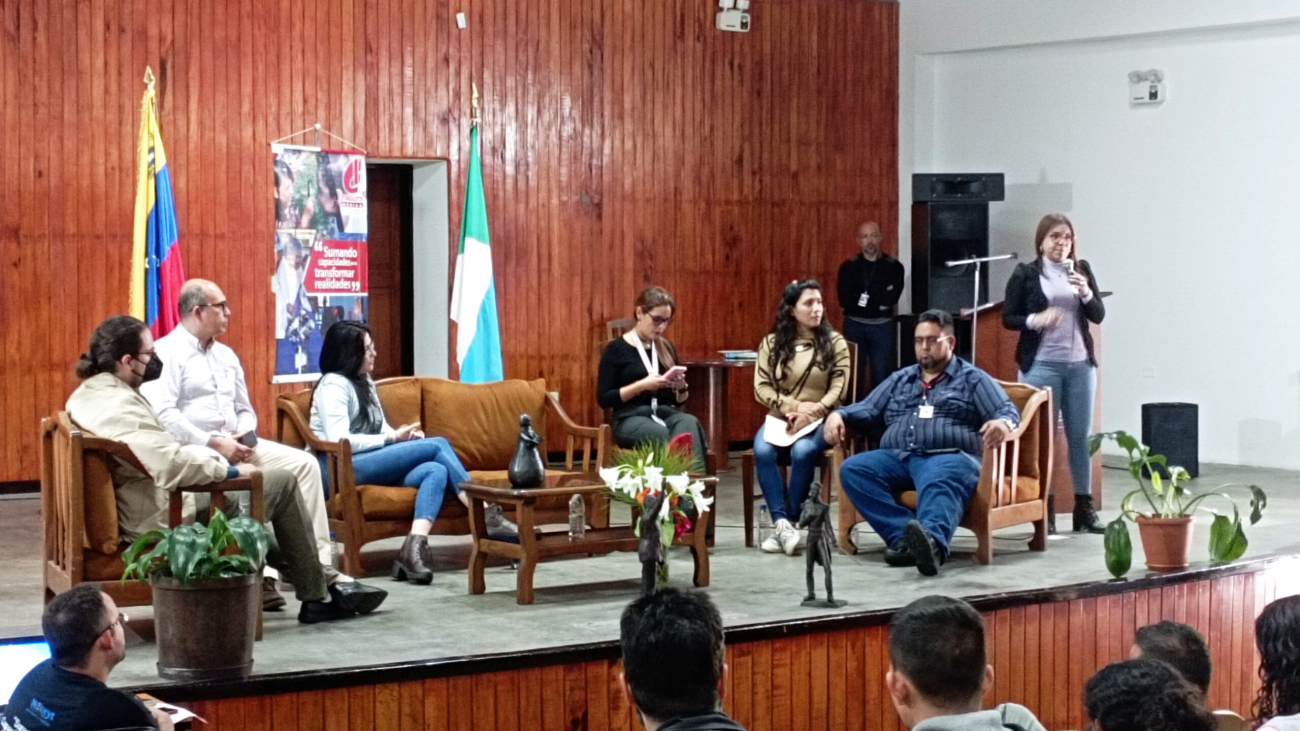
(882,280)
(1025,297)
(713,721)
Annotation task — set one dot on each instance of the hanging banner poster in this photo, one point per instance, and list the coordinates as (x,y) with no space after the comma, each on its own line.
(321,273)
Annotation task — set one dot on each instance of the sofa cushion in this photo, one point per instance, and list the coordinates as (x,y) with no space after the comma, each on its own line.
(1020,394)
(100,504)
(481,420)
(287,433)
(401,399)
(391,503)
(104,566)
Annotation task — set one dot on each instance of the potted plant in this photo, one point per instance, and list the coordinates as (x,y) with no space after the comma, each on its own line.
(1166,530)
(206,594)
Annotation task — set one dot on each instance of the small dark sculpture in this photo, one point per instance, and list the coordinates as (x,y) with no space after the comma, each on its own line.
(651,549)
(815,516)
(526,467)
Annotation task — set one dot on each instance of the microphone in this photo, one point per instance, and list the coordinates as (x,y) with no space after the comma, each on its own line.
(1069,265)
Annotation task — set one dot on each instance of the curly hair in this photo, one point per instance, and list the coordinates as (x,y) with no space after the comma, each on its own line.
(1145,695)
(786,329)
(1277,635)
(115,337)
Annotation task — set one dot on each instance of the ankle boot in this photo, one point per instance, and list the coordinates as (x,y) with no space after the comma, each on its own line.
(1085,518)
(410,565)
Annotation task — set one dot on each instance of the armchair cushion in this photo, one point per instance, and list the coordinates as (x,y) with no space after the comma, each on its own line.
(290,436)
(401,399)
(102,534)
(481,420)
(390,503)
(104,566)
(1020,394)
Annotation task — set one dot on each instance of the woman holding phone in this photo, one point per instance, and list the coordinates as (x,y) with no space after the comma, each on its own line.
(346,405)
(640,381)
(801,375)
(1050,301)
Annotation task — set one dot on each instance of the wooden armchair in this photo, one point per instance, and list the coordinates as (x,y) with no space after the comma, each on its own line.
(1020,469)
(81,542)
(481,421)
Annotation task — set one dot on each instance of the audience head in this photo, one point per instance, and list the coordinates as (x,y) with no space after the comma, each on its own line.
(653,310)
(349,350)
(938,663)
(1054,239)
(1277,635)
(1145,695)
(1178,645)
(123,346)
(673,654)
(869,239)
(801,311)
(83,628)
(205,313)
(935,339)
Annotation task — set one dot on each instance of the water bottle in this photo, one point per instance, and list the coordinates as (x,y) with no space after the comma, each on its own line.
(577,518)
(764,524)
(336,552)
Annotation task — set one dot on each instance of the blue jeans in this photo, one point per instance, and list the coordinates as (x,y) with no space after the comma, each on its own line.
(802,456)
(427,464)
(943,485)
(1074,387)
(875,346)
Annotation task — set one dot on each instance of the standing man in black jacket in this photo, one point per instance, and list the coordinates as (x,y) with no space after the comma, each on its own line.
(869,287)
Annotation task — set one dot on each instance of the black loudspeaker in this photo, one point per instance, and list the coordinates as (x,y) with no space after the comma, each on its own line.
(944,231)
(1171,429)
(985,187)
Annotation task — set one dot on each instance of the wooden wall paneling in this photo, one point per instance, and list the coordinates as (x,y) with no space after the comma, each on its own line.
(387,708)
(311,710)
(483,703)
(554,701)
(835,696)
(761,695)
(1032,660)
(284,712)
(435,690)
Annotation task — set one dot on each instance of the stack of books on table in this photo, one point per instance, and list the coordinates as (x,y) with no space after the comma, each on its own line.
(740,356)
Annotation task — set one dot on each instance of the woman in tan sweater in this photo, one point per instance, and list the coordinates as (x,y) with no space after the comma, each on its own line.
(801,375)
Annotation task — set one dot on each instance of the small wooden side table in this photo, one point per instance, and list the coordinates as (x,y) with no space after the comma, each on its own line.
(535,546)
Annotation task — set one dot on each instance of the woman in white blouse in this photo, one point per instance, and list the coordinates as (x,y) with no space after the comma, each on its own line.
(346,406)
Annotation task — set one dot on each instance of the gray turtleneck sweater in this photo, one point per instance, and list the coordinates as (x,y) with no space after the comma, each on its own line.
(1062,342)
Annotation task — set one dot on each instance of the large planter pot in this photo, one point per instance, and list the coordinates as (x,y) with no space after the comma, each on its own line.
(1166,541)
(205,628)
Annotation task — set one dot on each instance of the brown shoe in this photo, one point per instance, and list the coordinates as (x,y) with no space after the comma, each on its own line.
(271,599)
(410,565)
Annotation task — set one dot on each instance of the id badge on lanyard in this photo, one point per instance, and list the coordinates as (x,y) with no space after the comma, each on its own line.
(651,364)
(926,409)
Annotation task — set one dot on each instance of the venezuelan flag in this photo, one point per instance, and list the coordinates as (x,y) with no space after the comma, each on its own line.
(157,271)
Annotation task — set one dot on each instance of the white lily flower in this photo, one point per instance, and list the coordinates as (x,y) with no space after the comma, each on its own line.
(610,475)
(665,510)
(678,483)
(696,491)
(654,478)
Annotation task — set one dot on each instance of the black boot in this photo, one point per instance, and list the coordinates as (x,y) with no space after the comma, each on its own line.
(1085,518)
(410,565)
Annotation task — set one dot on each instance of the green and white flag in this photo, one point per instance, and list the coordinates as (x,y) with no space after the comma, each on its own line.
(474,293)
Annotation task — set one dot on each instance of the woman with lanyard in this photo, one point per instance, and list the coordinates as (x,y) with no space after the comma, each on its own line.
(1050,301)
(639,380)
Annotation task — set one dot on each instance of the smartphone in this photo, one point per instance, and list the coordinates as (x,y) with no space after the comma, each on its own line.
(676,373)
(249,439)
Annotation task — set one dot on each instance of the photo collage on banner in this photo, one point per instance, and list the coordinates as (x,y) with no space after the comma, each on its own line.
(320,252)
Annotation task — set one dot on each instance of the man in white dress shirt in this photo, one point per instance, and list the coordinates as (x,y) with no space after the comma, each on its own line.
(202,398)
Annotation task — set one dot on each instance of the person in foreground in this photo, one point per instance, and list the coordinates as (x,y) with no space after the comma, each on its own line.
(1145,695)
(1277,635)
(69,692)
(202,398)
(1178,646)
(1051,300)
(108,404)
(674,672)
(939,416)
(802,374)
(346,406)
(939,671)
(637,380)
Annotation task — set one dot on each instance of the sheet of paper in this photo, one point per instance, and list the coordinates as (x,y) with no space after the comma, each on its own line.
(774,431)
(177,713)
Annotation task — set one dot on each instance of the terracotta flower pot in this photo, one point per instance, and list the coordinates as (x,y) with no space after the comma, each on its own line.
(1166,541)
(206,628)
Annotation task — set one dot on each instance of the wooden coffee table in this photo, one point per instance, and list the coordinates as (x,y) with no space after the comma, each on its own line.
(535,546)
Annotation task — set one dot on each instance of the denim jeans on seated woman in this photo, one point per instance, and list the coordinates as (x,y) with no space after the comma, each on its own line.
(427,464)
(803,456)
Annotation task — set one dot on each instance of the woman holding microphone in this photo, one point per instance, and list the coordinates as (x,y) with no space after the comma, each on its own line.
(1050,301)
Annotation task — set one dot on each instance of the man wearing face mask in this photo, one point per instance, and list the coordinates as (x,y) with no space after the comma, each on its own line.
(108,404)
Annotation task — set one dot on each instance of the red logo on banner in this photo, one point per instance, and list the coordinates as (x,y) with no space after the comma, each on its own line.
(353,176)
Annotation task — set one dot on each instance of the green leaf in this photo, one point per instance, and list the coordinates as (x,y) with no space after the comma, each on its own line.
(666,531)
(1094,442)
(1227,538)
(219,532)
(189,544)
(139,567)
(252,539)
(233,565)
(1258,501)
(1119,548)
(1127,442)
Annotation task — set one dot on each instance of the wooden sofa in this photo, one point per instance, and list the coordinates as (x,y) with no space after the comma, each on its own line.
(481,421)
(1020,468)
(81,541)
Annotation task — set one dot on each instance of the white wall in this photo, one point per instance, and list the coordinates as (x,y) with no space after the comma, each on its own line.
(1185,209)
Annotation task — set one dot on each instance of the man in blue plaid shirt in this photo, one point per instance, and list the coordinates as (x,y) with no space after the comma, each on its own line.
(939,416)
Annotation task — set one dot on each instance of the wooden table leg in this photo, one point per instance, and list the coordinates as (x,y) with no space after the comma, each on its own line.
(477,558)
(718,439)
(527,541)
(700,549)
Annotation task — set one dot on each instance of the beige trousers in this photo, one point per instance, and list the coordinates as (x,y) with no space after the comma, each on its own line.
(271,455)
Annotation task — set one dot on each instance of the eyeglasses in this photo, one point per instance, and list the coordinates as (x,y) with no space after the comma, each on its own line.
(1060,237)
(122,619)
(661,321)
(149,353)
(223,305)
(929,342)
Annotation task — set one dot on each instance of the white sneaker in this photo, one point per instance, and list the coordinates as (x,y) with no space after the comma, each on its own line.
(790,539)
(773,544)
